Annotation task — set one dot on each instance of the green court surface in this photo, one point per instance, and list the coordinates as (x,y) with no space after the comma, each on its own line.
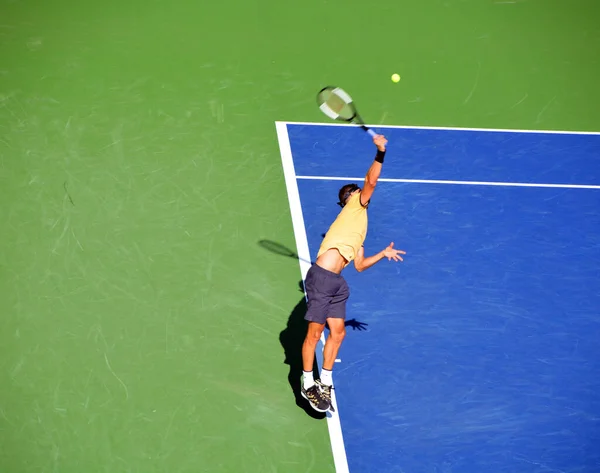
(141,321)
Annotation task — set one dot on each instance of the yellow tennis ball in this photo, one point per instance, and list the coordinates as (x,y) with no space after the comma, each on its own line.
(395,78)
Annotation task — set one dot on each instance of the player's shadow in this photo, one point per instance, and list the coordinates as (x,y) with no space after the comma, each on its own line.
(291,339)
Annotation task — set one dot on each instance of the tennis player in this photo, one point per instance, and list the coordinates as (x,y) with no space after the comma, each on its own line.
(326,289)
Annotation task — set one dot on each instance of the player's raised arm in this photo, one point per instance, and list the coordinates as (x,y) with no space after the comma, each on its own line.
(374,171)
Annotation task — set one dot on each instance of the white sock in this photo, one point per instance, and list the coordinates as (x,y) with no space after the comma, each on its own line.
(326,377)
(308,379)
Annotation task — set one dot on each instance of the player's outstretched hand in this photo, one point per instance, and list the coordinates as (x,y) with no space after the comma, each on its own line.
(380,142)
(391,254)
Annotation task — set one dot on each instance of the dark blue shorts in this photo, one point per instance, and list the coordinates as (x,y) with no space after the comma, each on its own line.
(327,293)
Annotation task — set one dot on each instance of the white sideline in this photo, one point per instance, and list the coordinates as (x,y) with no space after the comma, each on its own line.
(333,420)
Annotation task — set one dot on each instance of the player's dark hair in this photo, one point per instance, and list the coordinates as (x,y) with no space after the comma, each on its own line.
(345,192)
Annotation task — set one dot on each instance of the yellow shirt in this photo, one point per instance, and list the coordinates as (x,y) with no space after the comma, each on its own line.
(349,230)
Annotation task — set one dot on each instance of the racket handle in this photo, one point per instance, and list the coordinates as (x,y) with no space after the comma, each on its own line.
(369,131)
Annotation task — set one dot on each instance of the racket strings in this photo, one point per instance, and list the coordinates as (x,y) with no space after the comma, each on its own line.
(336,105)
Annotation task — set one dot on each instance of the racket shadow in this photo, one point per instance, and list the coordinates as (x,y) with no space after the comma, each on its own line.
(280,249)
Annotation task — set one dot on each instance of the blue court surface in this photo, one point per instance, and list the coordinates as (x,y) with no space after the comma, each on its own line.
(482,349)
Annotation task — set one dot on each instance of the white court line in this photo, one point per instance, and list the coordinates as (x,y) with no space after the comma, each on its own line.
(449,128)
(333,420)
(464,183)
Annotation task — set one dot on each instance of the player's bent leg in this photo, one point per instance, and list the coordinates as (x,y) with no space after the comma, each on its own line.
(336,318)
(313,335)
(310,390)
(337,332)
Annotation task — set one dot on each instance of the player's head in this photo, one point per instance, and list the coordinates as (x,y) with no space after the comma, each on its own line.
(345,193)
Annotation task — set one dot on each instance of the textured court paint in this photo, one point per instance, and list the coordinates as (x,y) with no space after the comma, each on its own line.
(140,322)
(482,344)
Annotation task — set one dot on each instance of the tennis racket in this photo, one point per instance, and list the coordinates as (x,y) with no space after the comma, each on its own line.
(338,105)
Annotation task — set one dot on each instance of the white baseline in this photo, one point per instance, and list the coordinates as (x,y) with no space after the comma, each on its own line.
(449,128)
(464,183)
